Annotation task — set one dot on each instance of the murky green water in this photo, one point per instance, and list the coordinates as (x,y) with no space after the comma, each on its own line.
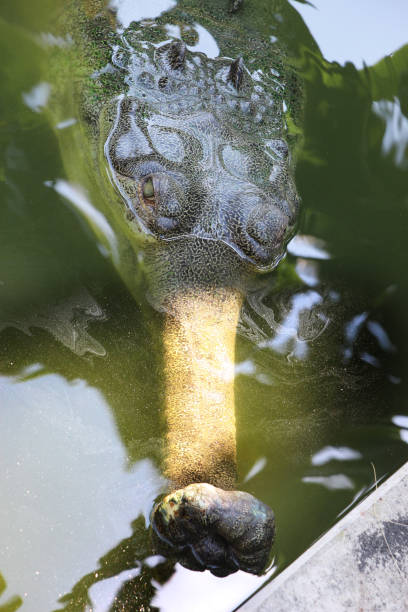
(320,365)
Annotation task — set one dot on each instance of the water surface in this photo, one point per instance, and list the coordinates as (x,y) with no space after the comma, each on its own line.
(321,356)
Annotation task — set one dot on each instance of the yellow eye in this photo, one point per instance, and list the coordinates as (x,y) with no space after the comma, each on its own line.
(148,189)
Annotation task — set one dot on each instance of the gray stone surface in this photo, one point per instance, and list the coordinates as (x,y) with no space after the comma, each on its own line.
(361,564)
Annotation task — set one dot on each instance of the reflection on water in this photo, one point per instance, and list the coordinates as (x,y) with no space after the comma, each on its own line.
(205,42)
(334,482)
(67,320)
(360,32)
(285,328)
(51,40)
(287,340)
(103,594)
(100,225)
(66,123)
(401,421)
(396,130)
(66,441)
(12,603)
(127,11)
(381,336)
(37,97)
(321,358)
(307,271)
(308,247)
(339,453)
(357,327)
(256,468)
(202,592)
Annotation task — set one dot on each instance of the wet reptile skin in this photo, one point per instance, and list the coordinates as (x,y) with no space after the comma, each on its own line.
(193,160)
(214,150)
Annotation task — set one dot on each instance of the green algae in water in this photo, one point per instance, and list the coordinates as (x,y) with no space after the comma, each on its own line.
(320,361)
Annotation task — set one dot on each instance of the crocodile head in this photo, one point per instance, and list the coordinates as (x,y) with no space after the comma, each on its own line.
(198,153)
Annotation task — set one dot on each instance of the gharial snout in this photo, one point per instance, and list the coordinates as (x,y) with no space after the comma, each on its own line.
(204,527)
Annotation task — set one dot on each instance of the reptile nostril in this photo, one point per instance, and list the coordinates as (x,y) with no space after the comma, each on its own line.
(170,208)
(267,227)
(169,213)
(166,224)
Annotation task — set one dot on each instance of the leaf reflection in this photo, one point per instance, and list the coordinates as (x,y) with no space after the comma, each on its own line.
(13,603)
(134,593)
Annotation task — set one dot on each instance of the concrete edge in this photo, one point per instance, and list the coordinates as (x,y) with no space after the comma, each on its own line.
(337,558)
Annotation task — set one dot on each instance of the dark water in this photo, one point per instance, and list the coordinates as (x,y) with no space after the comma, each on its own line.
(320,364)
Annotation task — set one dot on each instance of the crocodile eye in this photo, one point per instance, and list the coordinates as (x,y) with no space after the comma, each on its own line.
(146,191)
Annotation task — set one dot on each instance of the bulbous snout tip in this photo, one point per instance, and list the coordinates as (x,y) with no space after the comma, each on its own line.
(265,235)
(205,527)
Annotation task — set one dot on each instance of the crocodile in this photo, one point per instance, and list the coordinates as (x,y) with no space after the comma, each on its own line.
(189,160)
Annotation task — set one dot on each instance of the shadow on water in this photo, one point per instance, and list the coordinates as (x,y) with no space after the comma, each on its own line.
(323,343)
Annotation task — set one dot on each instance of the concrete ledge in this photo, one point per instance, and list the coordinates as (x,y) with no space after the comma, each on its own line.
(361,564)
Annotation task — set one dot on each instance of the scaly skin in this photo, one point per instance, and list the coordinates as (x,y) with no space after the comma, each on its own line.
(188,160)
(210,528)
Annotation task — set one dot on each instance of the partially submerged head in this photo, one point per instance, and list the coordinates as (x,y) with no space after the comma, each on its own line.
(198,152)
